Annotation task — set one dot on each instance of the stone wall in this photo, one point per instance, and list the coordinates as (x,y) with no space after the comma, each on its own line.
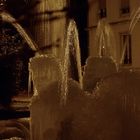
(48,25)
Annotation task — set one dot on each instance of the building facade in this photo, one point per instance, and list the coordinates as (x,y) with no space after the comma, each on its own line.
(119,14)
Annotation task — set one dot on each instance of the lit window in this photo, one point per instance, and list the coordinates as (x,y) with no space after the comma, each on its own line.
(102,8)
(125,7)
(126,48)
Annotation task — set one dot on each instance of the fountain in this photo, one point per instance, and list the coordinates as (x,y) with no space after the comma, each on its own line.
(45,105)
(15,42)
(49,117)
(104,62)
(105,44)
(12,64)
(115,105)
(72,58)
(6,17)
(70,61)
(60,110)
(110,113)
(72,52)
(96,69)
(55,94)
(11,129)
(45,71)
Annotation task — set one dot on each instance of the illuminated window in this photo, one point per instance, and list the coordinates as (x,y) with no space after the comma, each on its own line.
(126,48)
(125,7)
(102,8)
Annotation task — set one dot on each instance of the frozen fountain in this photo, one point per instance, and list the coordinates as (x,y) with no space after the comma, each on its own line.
(56,90)
(72,55)
(112,111)
(44,71)
(105,43)
(49,111)
(114,108)
(60,110)
(95,70)
(71,62)
(104,61)
(115,105)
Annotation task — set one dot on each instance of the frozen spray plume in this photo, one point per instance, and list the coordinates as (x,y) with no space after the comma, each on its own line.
(6,17)
(105,40)
(72,59)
